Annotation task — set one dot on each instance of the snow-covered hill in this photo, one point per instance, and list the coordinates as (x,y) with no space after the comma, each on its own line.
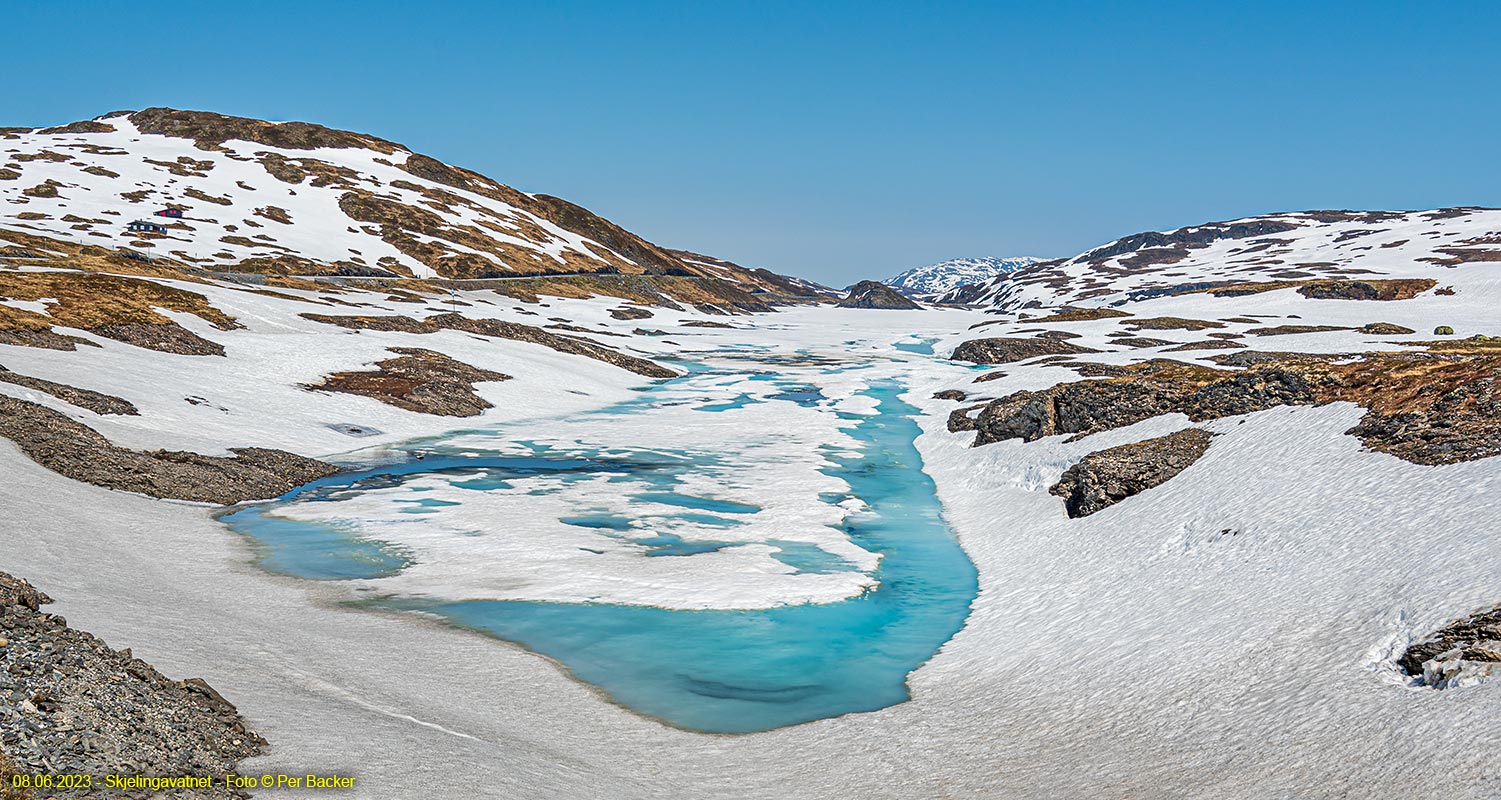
(245,195)
(935,280)
(1300,246)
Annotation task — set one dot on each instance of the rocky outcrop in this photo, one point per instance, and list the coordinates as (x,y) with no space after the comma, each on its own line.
(418,380)
(501,330)
(96,402)
(76,451)
(1003,350)
(630,312)
(873,294)
(559,342)
(74,706)
(1465,649)
(1184,238)
(124,309)
(1374,289)
(1106,477)
(1427,408)
(1385,329)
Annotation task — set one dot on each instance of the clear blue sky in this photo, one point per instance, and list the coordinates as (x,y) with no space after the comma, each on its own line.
(837,140)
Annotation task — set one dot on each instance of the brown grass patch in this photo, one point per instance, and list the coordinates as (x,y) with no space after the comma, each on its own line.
(112,306)
(207,198)
(1172,324)
(1081,315)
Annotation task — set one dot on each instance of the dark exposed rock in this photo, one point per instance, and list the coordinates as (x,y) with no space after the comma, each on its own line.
(392,322)
(209,130)
(1284,330)
(1059,335)
(1456,649)
(1251,358)
(960,419)
(705,323)
(872,294)
(630,312)
(1142,341)
(559,342)
(76,706)
(503,330)
(165,338)
(1385,329)
(1082,315)
(1106,477)
(1394,289)
(1195,237)
(96,402)
(1172,324)
(1426,408)
(993,375)
(418,380)
(950,394)
(1207,344)
(45,338)
(76,451)
(1003,350)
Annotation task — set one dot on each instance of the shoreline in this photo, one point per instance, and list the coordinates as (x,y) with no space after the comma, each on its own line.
(1057,685)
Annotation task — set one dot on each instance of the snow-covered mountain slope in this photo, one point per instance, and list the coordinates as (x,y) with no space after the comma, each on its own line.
(229,194)
(934,280)
(1291,247)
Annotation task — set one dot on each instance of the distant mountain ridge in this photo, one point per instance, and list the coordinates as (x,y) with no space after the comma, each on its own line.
(934,280)
(1282,249)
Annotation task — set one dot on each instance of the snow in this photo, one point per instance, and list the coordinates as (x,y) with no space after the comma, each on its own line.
(935,280)
(1395,248)
(1139,652)
(319,229)
(1230,633)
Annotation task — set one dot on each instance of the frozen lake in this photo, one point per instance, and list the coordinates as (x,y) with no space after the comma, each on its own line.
(809,573)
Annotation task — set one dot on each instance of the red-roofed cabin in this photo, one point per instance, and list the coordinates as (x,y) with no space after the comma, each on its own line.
(174,213)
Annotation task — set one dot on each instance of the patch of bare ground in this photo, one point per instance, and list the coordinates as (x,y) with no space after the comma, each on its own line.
(1081,315)
(1003,350)
(119,308)
(962,419)
(423,381)
(209,131)
(79,707)
(1469,647)
(705,323)
(1141,341)
(630,312)
(1171,324)
(1207,344)
(501,330)
(1372,289)
(274,213)
(1285,330)
(1106,477)
(97,402)
(1423,407)
(45,189)
(1385,329)
(76,451)
(207,198)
